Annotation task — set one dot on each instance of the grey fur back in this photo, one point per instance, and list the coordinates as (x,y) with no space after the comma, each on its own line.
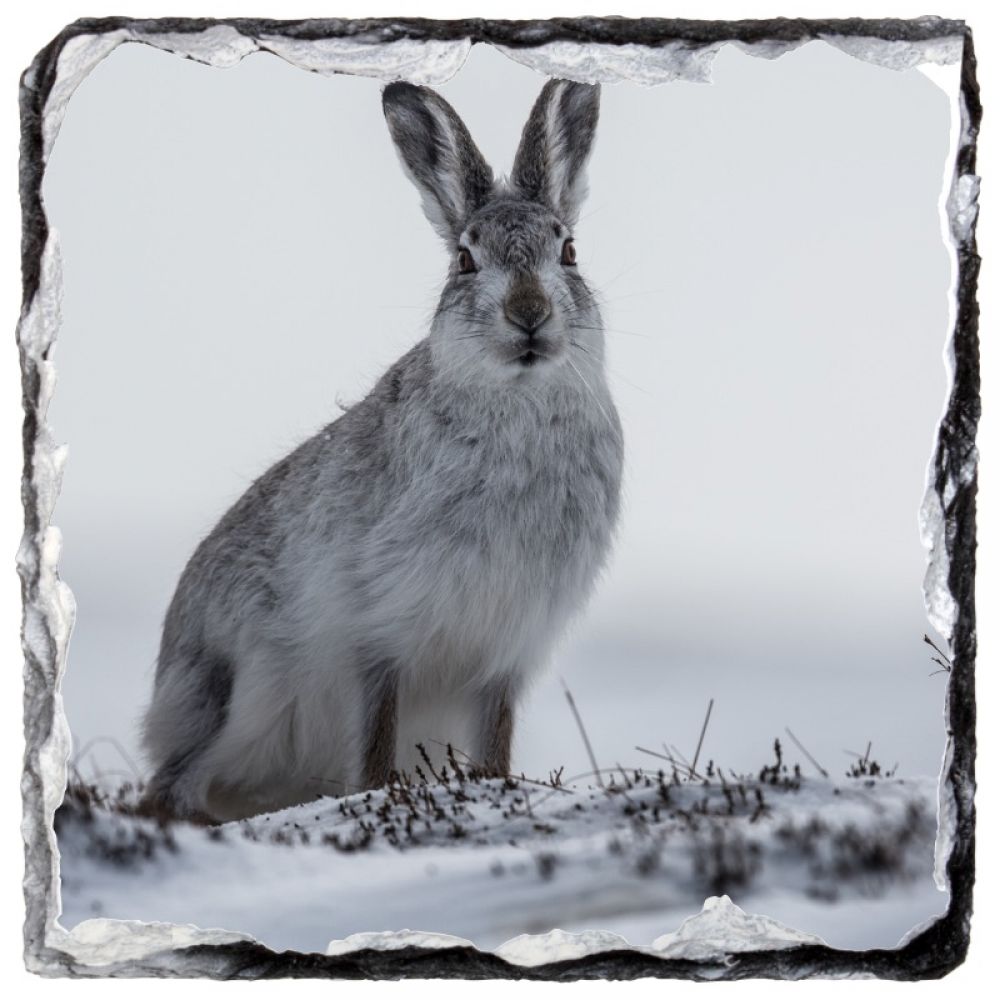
(440,533)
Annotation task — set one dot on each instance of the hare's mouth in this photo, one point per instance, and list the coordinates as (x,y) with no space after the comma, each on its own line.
(534,355)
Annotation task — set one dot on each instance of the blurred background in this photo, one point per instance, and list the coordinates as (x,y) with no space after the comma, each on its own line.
(242,252)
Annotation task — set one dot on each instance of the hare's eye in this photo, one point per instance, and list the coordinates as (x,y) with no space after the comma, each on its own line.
(568,253)
(466,265)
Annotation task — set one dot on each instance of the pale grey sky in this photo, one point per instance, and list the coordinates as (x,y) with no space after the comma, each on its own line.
(242,250)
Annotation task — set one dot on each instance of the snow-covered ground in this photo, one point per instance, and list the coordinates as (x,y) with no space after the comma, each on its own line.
(849,861)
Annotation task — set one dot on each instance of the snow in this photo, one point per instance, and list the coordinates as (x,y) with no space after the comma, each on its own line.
(528,871)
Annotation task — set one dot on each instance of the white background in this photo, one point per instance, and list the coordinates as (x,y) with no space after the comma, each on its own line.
(30,39)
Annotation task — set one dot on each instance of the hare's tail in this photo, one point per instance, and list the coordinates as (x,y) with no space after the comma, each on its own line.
(189,709)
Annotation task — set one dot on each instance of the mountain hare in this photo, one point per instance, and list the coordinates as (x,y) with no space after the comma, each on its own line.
(399,576)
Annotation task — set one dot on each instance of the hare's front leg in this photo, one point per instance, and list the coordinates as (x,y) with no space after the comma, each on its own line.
(496,727)
(379,733)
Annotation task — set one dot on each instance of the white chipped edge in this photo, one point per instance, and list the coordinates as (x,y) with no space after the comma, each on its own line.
(597,63)
(559,945)
(900,55)
(957,210)
(588,62)
(721,927)
(394,940)
(222,46)
(102,942)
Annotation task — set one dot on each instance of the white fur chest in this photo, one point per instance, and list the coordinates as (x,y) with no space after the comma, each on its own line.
(497,538)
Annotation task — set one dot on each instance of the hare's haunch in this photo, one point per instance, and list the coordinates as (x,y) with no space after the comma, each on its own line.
(398,577)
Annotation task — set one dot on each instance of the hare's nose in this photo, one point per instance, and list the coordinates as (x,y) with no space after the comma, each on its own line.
(527,306)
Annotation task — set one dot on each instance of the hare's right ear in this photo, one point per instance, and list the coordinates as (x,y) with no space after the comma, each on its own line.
(555,145)
(439,155)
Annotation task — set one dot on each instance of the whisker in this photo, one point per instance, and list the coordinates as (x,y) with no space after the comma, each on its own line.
(611,371)
(620,274)
(611,329)
(632,295)
(593,394)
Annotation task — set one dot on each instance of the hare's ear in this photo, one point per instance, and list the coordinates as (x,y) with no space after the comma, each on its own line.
(555,145)
(439,155)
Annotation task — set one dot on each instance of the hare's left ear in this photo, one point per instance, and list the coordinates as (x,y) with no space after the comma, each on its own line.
(439,155)
(555,146)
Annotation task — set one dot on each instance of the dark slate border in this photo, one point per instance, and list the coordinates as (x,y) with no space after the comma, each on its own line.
(937,950)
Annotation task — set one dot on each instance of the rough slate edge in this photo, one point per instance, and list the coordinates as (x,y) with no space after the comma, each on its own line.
(932,953)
